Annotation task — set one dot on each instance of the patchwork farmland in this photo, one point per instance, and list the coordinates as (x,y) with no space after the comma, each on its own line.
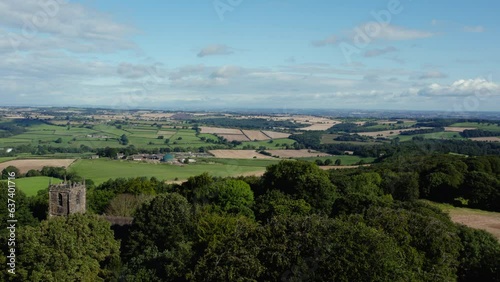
(243,135)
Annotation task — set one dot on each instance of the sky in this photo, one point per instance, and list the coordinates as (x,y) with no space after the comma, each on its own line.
(224,54)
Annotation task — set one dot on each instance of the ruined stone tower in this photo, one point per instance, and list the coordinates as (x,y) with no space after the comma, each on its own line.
(67,198)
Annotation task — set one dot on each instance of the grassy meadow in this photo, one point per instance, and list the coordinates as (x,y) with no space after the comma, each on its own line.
(101,170)
(31,185)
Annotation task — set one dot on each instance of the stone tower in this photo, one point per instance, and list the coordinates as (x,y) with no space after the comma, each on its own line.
(67,198)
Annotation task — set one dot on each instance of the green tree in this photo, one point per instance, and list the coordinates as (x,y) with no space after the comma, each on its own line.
(33,173)
(22,212)
(338,162)
(315,248)
(427,237)
(159,245)
(275,203)
(126,204)
(479,257)
(358,203)
(74,248)
(482,190)
(228,246)
(442,182)
(302,180)
(9,170)
(228,195)
(39,204)
(367,183)
(124,139)
(403,186)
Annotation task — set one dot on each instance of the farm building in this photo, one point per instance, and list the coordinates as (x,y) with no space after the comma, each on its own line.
(168,158)
(146,157)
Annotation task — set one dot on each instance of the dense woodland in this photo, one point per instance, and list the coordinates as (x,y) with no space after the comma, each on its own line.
(295,223)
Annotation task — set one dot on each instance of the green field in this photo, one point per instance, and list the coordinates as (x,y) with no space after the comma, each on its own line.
(6,159)
(31,185)
(102,169)
(483,126)
(435,135)
(262,163)
(345,159)
(383,127)
(265,143)
(140,134)
(328,139)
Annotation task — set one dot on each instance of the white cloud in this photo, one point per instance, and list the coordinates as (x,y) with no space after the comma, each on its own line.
(134,71)
(377,31)
(372,31)
(378,52)
(186,71)
(226,71)
(331,40)
(463,87)
(217,49)
(431,75)
(57,24)
(476,29)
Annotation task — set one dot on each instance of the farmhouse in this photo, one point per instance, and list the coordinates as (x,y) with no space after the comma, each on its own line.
(146,157)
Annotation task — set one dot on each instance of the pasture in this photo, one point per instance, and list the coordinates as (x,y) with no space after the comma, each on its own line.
(268,144)
(387,133)
(5,159)
(344,159)
(141,134)
(475,125)
(31,185)
(101,170)
(329,139)
(435,135)
(304,153)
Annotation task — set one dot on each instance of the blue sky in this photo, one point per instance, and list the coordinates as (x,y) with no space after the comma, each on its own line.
(192,54)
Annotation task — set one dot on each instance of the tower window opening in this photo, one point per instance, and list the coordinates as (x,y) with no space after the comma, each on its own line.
(60,200)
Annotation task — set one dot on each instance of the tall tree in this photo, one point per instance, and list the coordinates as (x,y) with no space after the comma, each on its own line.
(75,248)
(302,180)
(159,245)
(229,195)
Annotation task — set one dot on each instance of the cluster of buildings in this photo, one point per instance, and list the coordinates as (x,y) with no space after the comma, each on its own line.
(178,158)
